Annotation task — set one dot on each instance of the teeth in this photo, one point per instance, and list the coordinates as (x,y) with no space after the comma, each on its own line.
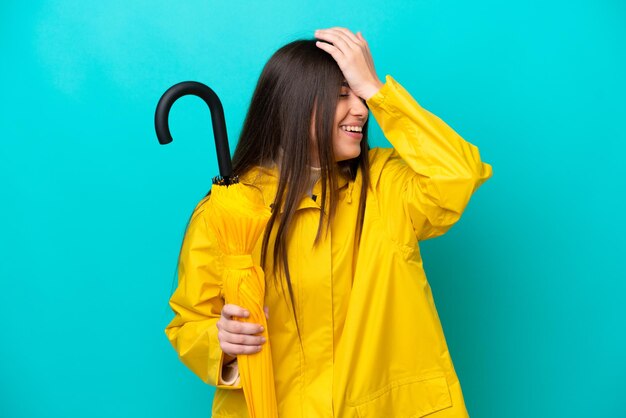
(352,128)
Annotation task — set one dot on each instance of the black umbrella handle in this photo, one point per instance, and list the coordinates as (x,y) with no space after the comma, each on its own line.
(161,122)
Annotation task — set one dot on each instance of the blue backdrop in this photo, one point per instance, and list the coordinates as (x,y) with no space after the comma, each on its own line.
(529,285)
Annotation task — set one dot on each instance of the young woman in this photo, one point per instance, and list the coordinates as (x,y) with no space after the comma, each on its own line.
(352,321)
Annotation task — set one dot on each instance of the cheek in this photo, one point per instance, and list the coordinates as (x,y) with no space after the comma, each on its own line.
(341,111)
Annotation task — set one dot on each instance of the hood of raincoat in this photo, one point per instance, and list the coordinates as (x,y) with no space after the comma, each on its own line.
(372,343)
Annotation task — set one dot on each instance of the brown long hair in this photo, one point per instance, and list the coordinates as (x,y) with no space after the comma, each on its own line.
(300,80)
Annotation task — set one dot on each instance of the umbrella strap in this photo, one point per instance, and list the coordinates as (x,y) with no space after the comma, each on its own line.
(238,262)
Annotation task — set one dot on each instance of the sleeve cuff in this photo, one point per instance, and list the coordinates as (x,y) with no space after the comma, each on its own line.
(378,99)
(230,374)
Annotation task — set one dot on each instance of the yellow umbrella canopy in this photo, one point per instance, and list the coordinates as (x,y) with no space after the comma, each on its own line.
(238,218)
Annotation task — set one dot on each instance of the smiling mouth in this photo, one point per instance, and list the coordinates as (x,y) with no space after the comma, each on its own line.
(351,128)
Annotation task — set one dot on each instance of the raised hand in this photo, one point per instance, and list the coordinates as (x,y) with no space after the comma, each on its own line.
(353,56)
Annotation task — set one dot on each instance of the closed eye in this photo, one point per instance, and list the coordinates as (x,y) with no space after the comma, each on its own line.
(345,92)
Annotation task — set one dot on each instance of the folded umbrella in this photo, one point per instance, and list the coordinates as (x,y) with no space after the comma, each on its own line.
(237,216)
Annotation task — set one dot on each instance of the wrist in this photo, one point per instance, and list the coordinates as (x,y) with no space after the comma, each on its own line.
(372,89)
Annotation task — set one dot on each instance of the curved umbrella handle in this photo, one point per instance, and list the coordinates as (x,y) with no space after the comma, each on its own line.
(185,88)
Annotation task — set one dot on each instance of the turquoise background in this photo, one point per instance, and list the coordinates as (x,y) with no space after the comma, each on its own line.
(529,285)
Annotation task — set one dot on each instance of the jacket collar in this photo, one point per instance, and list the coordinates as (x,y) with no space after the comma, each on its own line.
(265,178)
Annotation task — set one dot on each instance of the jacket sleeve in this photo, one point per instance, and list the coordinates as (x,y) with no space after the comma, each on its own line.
(197,302)
(431,171)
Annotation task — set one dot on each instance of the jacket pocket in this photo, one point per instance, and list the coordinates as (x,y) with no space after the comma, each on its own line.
(412,397)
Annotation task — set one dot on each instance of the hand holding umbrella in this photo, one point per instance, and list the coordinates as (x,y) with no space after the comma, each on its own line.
(237,217)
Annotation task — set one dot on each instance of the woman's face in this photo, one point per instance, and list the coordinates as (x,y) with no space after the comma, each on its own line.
(350,116)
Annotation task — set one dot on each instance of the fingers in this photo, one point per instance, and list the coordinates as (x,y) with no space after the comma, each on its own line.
(234,349)
(342,38)
(240,339)
(237,337)
(337,39)
(331,49)
(266,309)
(238,327)
(229,310)
(363,41)
(346,48)
(347,33)
(227,324)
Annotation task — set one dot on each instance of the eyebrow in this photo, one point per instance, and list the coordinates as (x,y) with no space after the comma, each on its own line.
(344,84)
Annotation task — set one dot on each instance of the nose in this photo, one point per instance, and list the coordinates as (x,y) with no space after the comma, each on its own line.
(357,107)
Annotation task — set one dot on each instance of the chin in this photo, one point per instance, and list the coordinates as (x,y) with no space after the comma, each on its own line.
(347,154)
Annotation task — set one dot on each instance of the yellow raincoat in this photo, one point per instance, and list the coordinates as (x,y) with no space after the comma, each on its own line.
(372,343)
